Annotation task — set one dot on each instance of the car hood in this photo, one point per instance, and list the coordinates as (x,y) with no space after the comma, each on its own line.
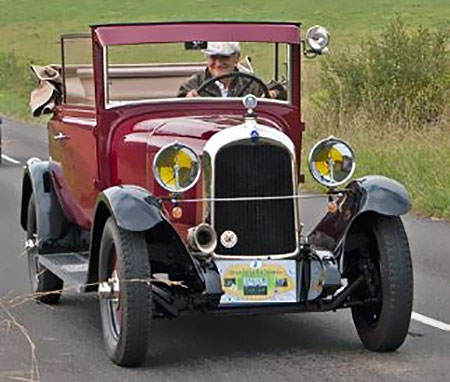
(195,127)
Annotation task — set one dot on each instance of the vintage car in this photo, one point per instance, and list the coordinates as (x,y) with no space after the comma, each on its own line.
(164,205)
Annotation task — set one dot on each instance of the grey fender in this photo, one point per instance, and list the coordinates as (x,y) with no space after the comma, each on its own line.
(383,195)
(136,209)
(54,232)
(377,194)
(133,207)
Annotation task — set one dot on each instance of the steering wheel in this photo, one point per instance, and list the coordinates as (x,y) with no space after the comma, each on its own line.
(204,86)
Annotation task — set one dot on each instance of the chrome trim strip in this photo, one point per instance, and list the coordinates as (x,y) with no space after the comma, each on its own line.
(242,133)
(238,134)
(245,199)
(117,104)
(80,121)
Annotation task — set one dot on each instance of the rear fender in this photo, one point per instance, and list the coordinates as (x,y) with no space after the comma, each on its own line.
(136,209)
(369,194)
(54,232)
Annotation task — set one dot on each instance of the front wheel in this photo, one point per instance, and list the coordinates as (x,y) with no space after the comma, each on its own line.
(125,294)
(383,326)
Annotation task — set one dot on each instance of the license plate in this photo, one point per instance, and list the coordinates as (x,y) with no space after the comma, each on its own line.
(258,281)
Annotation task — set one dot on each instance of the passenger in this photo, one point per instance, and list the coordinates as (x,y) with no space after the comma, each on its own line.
(223,58)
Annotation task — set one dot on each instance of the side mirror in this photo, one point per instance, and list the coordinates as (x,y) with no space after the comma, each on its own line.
(317,39)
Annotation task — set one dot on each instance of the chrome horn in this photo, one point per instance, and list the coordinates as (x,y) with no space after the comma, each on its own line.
(202,238)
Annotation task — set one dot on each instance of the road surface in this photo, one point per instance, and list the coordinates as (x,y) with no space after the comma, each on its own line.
(64,343)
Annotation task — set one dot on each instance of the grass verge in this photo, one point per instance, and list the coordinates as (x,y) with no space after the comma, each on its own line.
(419,159)
(16,84)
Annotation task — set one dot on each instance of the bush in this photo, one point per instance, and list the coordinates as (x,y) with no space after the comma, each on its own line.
(14,72)
(16,84)
(402,76)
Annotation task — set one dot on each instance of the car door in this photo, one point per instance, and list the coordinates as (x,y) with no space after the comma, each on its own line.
(72,133)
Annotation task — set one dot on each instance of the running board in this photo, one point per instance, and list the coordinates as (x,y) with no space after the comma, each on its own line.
(71,267)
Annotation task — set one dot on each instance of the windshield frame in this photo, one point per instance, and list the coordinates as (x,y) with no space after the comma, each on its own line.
(108,81)
(133,34)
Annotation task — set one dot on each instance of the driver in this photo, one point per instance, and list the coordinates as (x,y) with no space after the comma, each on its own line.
(223,58)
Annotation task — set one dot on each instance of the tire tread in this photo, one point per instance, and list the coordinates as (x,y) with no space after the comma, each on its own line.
(397,285)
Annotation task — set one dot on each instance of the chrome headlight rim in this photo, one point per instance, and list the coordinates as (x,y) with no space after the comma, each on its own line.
(156,172)
(319,178)
(314,31)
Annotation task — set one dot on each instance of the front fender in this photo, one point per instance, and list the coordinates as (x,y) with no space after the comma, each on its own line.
(371,193)
(136,209)
(133,207)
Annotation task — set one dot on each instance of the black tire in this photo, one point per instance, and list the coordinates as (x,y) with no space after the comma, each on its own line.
(126,320)
(383,327)
(45,285)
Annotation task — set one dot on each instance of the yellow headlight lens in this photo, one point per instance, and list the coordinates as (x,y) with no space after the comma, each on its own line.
(176,167)
(332,162)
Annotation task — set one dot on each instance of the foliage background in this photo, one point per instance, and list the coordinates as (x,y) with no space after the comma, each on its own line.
(416,154)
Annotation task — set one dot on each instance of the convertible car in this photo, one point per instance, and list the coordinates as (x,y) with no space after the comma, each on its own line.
(165,205)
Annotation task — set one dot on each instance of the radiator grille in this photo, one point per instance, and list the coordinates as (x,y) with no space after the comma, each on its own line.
(254,170)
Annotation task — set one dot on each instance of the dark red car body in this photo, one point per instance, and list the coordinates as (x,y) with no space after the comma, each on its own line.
(109,147)
(96,214)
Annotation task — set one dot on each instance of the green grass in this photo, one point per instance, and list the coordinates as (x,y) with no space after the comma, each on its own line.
(420,159)
(16,84)
(32,28)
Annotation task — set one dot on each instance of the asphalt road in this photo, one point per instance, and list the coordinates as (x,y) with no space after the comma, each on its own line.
(64,343)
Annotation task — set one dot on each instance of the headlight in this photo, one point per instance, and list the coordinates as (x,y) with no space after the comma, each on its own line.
(318,38)
(332,162)
(176,167)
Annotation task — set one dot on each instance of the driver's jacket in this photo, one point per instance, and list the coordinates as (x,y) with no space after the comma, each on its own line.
(236,86)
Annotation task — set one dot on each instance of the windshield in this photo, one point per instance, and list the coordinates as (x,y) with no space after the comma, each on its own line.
(197,69)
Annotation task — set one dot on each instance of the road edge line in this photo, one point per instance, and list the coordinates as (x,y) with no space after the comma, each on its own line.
(430,321)
(9,159)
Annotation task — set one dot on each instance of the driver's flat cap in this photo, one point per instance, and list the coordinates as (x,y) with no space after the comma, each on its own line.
(222,48)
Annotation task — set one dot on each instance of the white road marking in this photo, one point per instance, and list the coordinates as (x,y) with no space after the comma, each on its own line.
(9,159)
(430,321)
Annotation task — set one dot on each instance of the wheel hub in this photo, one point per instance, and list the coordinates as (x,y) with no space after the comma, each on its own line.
(110,289)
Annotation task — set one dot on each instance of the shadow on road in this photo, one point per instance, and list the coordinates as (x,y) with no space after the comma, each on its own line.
(192,338)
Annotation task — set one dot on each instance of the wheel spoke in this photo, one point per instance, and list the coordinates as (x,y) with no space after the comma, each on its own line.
(241,93)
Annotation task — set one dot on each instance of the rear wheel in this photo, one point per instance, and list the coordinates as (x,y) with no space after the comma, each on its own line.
(383,326)
(125,294)
(46,287)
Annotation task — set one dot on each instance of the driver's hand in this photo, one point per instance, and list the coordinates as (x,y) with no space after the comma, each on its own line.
(192,93)
(274,93)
